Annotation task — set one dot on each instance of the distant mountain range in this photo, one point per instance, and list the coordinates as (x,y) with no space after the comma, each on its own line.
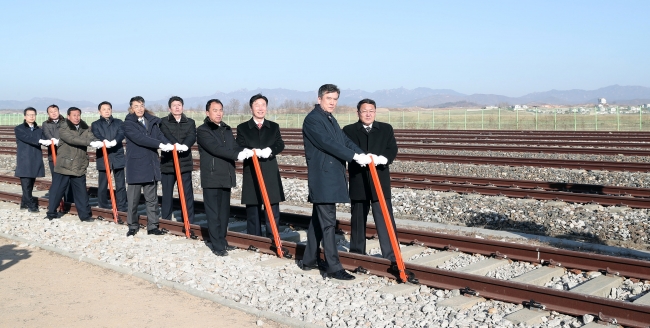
(419,97)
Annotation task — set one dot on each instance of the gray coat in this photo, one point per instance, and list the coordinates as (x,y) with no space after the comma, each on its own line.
(72,158)
(29,157)
(327,149)
(51,130)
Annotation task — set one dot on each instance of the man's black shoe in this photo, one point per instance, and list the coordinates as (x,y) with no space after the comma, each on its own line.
(90,219)
(341,275)
(48,217)
(156,231)
(230,248)
(131,232)
(33,210)
(220,253)
(321,265)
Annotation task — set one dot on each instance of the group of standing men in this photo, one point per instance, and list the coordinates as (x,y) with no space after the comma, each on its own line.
(327,150)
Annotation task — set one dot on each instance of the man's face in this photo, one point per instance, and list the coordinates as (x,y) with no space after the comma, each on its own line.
(176,108)
(105,111)
(30,117)
(138,108)
(259,109)
(74,117)
(215,113)
(53,113)
(328,101)
(367,113)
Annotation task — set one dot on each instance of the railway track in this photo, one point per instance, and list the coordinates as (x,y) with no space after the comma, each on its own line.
(574,193)
(518,291)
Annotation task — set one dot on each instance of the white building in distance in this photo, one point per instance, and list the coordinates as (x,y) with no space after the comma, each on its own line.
(602,101)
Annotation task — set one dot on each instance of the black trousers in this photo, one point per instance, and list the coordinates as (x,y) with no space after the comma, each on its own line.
(359,219)
(78,186)
(27,185)
(217,210)
(322,228)
(167,208)
(103,196)
(67,196)
(254,214)
(150,191)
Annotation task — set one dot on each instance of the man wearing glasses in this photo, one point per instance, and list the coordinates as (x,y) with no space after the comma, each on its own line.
(378,140)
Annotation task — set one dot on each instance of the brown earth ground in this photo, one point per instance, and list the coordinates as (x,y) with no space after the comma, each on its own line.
(39,288)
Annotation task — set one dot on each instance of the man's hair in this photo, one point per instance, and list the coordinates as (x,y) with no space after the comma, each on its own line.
(50,106)
(28,109)
(104,103)
(207,105)
(72,109)
(255,97)
(366,101)
(328,88)
(136,98)
(174,98)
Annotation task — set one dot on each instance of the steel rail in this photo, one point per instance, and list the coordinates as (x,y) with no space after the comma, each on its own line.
(503,290)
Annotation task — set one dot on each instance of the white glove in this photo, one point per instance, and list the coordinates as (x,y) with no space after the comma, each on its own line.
(107,143)
(45,142)
(96,144)
(361,159)
(163,147)
(258,152)
(113,143)
(381,160)
(168,147)
(180,147)
(243,155)
(55,141)
(266,152)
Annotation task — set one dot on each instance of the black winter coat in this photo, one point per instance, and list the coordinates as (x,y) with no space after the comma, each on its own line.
(249,136)
(51,130)
(29,156)
(142,163)
(110,129)
(379,141)
(183,132)
(327,149)
(218,151)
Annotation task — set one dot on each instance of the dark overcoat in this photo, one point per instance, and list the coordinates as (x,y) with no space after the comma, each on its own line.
(183,132)
(249,136)
(327,149)
(218,152)
(51,130)
(109,129)
(72,156)
(142,163)
(29,156)
(379,141)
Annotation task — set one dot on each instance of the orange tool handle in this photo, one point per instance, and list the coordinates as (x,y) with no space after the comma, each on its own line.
(388,222)
(181,193)
(110,183)
(53,149)
(267,205)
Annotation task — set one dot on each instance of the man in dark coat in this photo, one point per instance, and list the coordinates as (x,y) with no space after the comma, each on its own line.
(327,149)
(29,157)
(263,136)
(109,131)
(143,139)
(378,140)
(71,165)
(180,130)
(218,151)
(51,128)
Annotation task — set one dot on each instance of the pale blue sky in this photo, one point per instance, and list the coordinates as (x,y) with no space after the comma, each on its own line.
(113,50)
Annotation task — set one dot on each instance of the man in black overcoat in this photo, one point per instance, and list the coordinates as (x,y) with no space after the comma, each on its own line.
(180,130)
(29,157)
(109,131)
(327,149)
(378,140)
(263,136)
